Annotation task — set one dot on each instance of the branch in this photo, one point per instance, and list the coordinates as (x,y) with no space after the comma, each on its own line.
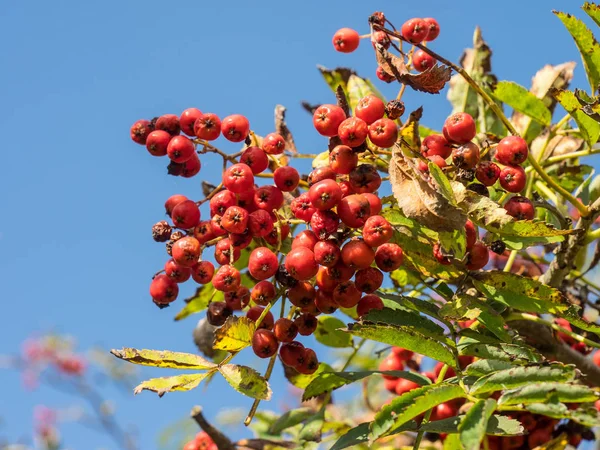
(221,441)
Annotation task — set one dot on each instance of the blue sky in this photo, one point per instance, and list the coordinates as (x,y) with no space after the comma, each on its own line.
(79,197)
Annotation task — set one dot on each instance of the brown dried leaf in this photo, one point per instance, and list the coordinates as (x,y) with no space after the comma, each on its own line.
(282,128)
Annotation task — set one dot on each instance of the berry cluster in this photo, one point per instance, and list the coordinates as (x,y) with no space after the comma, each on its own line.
(201,441)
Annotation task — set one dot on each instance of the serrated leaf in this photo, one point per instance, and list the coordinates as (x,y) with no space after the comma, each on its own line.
(593,11)
(163,385)
(356,436)
(290,419)
(570,177)
(247,381)
(328,332)
(473,428)
(313,428)
(499,425)
(588,417)
(413,303)
(235,334)
(483,367)
(521,376)
(466,307)
(442,182)
(302,381)
(589,128)
(520,99)
(405,337)
(587,45)
(199,301)
(404,317)
(516,354)
(541,392)
(410,405)
(330,381)
(163,358)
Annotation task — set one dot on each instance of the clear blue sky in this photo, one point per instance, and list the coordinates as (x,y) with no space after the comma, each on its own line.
(79,198)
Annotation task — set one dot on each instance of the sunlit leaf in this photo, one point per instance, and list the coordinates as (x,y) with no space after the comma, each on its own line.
(520,99)
(474,426)
(163,385)
(199,301)
(235,335)
(163,358)
(328,332)
(246,380)
(590,128)
(541,392)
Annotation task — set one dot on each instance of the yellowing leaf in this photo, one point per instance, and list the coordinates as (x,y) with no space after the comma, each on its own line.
(163,385)
(235,335)
(590,129)
(163,358)
(247,381)
(199,301)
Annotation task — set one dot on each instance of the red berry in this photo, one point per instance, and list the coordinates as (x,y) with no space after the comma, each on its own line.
(168,123)
(306,239)
(521,208)
(388,257)
(354,210)
(539,437)
(403,386)
(246,199)
(422,61)
(300,263)
(383,75)
(221,201)
(327,253)
(390,362)
(285,330)
(179,274)
(207,127)
(238,299)
(235,128)
(324,223)
(353,131)
(292,353)
(434,28)
(235,219)
(383,132)
(513,178)
(157,142)
(268,198)
(286,178)
(471,232)
(188,119)
(163,289)
(238,178)
(561,335)
(173,201)
(302,295)
(320,174)
(440,256)
(390,385)
(377,231)
(368,280)
(512,150)
(254,314)
(443,411)
(436,144)
(415,30)
(140,130)
(191,167)
(325,303)
(273,144)
(438,368)
(365,178)
(370,109)
(302,208)
(478,256)
(203,232)
(459,128)
(262,263)
(256,159)
(402,353)
(367,303)
(186,251)
(346,294)
(223,252)
(346,188)
(215,224)
(327,119)
(180,149)
(381,38)
(325,194)
(260,223)
(273,237)
(263,293)
(226,279)
(342,159)
(487,173)
(190,446)
(186,215)
(346,40)
(309,364)
(466,156)
(357,254)
(203,272)
(437,160)
(374,201)
(306,323)
(264,343)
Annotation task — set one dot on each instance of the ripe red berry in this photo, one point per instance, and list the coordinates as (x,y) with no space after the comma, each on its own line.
(173,201)
(238,178)
(357,254)
(215,224)
(368,280)
(302,208)
(254,314)
(302,294)
(300,263)
(434,28)
(186,215)
(180,149)
(327,119)
(191,167)
(440,256)
(207,127)
(223,252)
(478,256)
(309,364)
(285,330)
(374,201)
(402,353)
(320,174)
(221,201)
(403,386)
(286,178)
(471,232)
(188,119)
(268,198)
(521,208)
(306,323)
(437,160)
(324,302)
(512,150)
(168,123)
(163,289)
(370,109)
(487,173)
(367,303)
(466,156)
(365,178)
(273,237)
(346,40)
(273,144)
(327,253)
(306,239)
(256,159)
(140,130)
(388,257)
(346,294)
(325,194)
(383,132)
(324,223)
(226,279)
(260,223)
(354,210)
(264,343)
(390,362)
(262,263)
(342,159)
(443,411)
(157,142)
(422,61)
(436,144)
(186,251)
(415,30)
(377,231)
(459,128)
(235,219)
(263,293)
(203,272)
(353,131)
(235,128)
(238,299)
(539,437)
(383,75)
(177,272)
(292,353)
(346,188)
(513,178)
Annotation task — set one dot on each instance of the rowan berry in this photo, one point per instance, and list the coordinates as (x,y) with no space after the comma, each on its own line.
(383,75)
(512,150)
(140,130)
(364,178)
(368,280)
(264,343)
(163,289)
(346,40)
(309,364)
(324,223)
(157,142)
(415,30)
(466,156)
(238,299)
(273,144)
(203,272)
(268,198)
(223,252)
(367,303)
(440,256)
(286,178)
(186,251)
(238,178)
(370,108)
(263,293)
(388,257)
(291,353)
(173,201)
(235,128)
(325,194)
(186,215)
(389,363)
(383,132)
(179,274)
(327,253)
(346,294)
(354,210)
(226,279)
(513,178)
(324,302)
(168,123)
(302,294)
(374,201)
(357,254)
(254,314)
(180,149)
(353,131)
(487,173)
(422,61)
(285,330)
(320,174)
(305,238)
(300,263)
(478,256)
(521,208)
(256,159)
(327,119)
(207,127)
(260,223)
(262,263)
(434,28)
(342,159)
(459,128)
(436,144)
(404,385)
(306,323)
(188,119)
(377,231)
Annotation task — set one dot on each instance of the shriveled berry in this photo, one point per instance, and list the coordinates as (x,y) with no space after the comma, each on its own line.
(217,313)
(235,128)
(324,223)
(256,159)
(342,159)
(161,231)
(264,343)
(459,128)
(263,263)
(367,303)
(466,156)
(370,109)
(436,144)
(203,272)
(383,132)
(498,247)
(207,127)
(368,280)
(521,208)
(273,144)
(478,256)
(284,278)
(487,173)
(286,178)
(346,40)
(163,289)
(327,119)
(513,178)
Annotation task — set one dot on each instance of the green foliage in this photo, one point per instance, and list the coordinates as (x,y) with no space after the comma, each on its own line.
(520,99)
(329,332)
(246,380)
(474,426)
(199,301)
(169,384)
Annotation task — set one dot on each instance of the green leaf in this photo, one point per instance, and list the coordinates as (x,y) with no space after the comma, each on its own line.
(330,381)
(247,381)
(328,332)
(520,99)
(455,241)
(356,436)
(413,303)
(521,376)
(290,419)
(474,426)
(199,301)
(571,177)
(541,392)
(587,45)
(357,88)
(321,160)
(452,442)
(163,358)
(485,366)
(504,426)
(405,337)
(590,129)
(585,416)
(442,182)
(407,318)
(516,354)
(313,428)
(593,11)
(163,385)
(235,334)
(410,405)
(302,381)
(336,77)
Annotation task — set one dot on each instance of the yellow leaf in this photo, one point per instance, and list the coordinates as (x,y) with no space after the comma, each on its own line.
(163,385)
(163,358)
(235,335)
(247,381)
